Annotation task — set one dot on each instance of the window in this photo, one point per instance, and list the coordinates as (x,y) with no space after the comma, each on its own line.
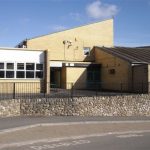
(20,74)
(21,70)
(86,50)
(39,74)
(29,74)
(1,65)
(30,66)
(2,74)
(20,66)
(10,66)
(9,74)
(39,66)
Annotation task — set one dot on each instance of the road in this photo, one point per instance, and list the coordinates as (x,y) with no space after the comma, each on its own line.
(12,122)
(72,133)
(110,142)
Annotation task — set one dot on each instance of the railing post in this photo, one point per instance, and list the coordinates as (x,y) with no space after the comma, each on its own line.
(72,91)
(14,90)
(148,87)
(142,88)
(121,87)
(96,89)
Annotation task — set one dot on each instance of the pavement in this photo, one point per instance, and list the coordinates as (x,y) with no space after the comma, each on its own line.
(71,133)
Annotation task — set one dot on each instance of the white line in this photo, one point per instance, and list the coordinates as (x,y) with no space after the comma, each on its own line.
(50,140)
(60,144)
(70,123)
(129,135)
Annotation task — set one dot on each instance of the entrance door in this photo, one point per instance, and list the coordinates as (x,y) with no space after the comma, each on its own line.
(93,76)
(55,77)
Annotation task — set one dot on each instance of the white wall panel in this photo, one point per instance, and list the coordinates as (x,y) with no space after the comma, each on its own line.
(21,56)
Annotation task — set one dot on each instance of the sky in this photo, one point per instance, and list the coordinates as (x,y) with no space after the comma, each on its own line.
(24,19)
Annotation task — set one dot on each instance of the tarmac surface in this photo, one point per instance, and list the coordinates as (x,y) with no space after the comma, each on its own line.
(72,133)
(12,122)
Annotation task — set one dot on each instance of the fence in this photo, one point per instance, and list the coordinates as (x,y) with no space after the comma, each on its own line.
(21,90)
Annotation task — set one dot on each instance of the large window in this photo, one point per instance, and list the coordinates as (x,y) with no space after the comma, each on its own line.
(21,70)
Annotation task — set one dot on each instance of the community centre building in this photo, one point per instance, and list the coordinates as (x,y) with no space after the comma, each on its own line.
(79,57)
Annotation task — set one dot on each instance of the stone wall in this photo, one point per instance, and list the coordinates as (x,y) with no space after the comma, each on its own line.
(9,108)
(135,105)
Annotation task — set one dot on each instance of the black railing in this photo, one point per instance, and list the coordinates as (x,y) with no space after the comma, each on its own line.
(34,90)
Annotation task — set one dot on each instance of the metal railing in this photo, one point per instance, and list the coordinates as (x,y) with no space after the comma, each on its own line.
(35,90)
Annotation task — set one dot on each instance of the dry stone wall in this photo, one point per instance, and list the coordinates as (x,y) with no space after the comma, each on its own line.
(132,105)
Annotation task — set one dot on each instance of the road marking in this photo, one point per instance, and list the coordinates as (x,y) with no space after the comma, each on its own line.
(69,123)
(129,135)
(50,140)
(62,144)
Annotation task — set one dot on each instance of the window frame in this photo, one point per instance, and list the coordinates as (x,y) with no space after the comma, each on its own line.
(16,70)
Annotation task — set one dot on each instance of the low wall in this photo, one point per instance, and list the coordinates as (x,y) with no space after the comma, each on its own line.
(9,108)
(136,105)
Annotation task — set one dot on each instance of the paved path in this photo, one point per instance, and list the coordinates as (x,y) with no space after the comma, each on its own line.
(13,122)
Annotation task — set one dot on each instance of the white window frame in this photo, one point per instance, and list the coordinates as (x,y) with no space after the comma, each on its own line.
(15,70)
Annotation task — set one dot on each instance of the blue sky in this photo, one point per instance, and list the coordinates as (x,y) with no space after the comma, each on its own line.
(21,19)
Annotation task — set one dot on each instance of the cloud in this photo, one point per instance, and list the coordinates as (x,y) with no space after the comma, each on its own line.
(99,10)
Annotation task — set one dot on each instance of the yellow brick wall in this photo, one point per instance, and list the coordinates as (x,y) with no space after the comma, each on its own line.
(77,76)
(100,33)
(122,71)
(21,86)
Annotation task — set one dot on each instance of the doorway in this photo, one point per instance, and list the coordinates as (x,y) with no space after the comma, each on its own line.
(93,76)
(55,77)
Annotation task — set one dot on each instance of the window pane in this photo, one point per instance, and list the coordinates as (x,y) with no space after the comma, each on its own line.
(9,74)
(86,50)
(29,74)
(1,74)
(20,74)
(10,65)
(20,66)
(39,74)
(29,66)
(39,66)
(1,65)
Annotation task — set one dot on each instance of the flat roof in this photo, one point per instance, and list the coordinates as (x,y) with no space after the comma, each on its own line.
(21,49)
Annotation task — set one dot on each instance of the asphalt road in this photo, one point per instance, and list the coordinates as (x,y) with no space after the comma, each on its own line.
(110,142)
(75,133)
(127,141)
(12,122)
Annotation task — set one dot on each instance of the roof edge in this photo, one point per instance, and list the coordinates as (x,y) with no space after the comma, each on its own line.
(22,49)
